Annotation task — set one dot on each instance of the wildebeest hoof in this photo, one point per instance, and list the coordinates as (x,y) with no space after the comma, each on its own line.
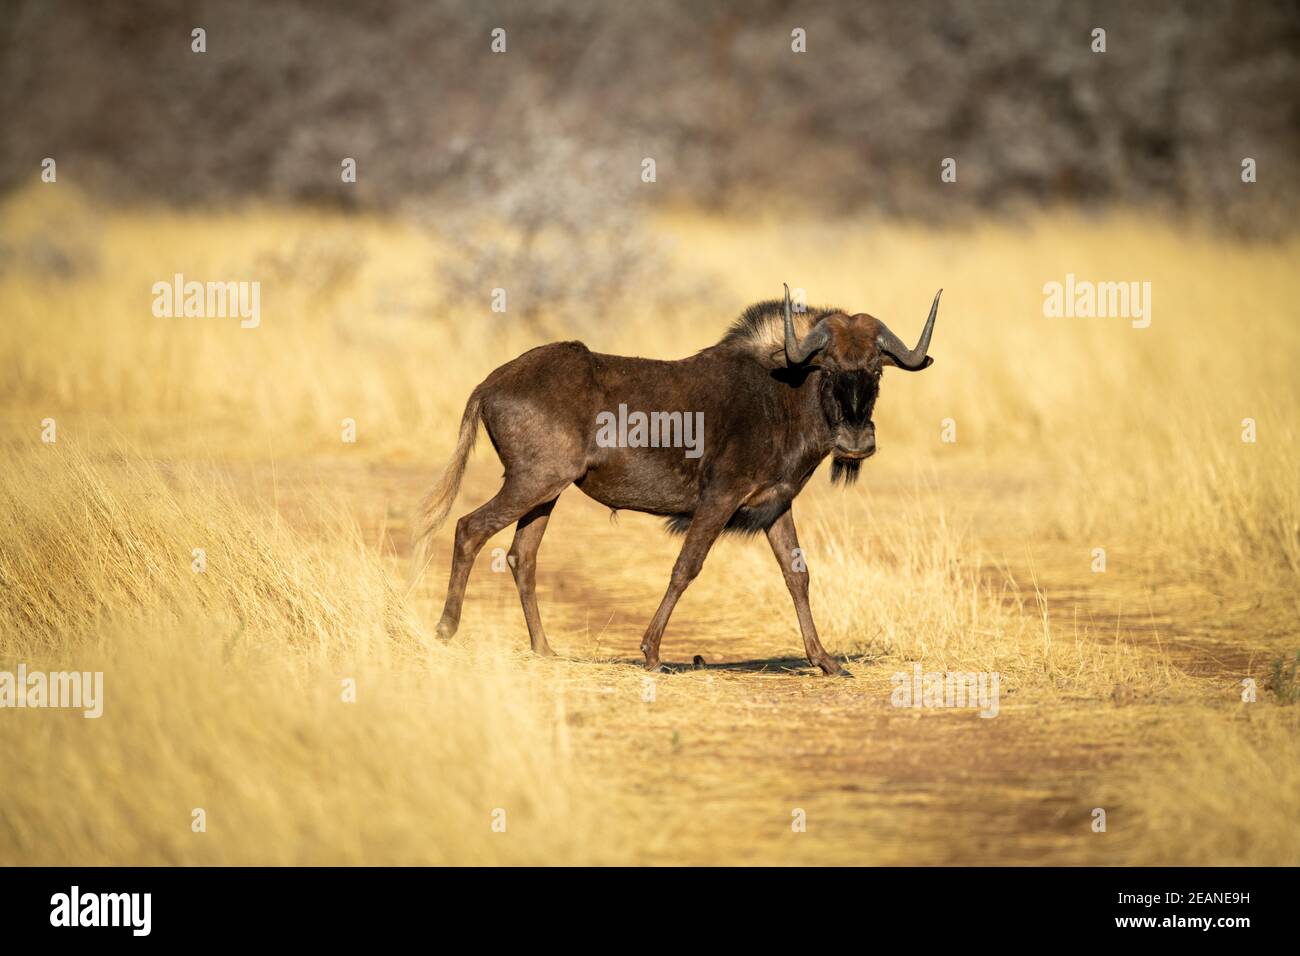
(835,669)
(698,662)
(445,630)
(658,668)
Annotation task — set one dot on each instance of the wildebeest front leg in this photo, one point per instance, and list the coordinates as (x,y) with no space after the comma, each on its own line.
(785,543)
(703,531)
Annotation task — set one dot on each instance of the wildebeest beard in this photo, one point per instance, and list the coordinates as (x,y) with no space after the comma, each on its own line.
(844,470)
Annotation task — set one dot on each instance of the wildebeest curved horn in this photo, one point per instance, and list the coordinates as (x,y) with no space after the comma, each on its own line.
(894,352)
(796,352)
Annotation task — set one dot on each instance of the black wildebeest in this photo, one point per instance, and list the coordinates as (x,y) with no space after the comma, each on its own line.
(778,394)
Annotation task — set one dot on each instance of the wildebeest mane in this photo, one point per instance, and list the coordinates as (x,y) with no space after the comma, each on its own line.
(761,327)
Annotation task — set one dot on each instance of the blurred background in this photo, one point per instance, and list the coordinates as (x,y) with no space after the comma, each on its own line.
(293,453)
(1012,90)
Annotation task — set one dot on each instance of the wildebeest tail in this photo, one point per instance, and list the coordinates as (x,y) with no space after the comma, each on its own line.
(436,505)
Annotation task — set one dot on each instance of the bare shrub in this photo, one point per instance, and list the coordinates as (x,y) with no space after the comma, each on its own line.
(558,227)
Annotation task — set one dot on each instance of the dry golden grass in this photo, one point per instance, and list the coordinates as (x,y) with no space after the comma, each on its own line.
(223,689)
(1222,791)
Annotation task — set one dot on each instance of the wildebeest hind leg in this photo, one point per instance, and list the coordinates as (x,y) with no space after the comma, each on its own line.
(523,565)
(518,496)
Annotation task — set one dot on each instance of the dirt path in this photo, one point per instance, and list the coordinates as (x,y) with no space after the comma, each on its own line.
(733,753)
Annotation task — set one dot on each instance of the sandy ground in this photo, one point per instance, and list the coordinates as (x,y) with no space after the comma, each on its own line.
(757,734)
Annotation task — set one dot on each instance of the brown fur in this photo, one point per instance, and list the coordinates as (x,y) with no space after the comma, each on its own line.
(767,427)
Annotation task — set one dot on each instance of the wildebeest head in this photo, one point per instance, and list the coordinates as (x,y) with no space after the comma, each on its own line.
(852,351)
